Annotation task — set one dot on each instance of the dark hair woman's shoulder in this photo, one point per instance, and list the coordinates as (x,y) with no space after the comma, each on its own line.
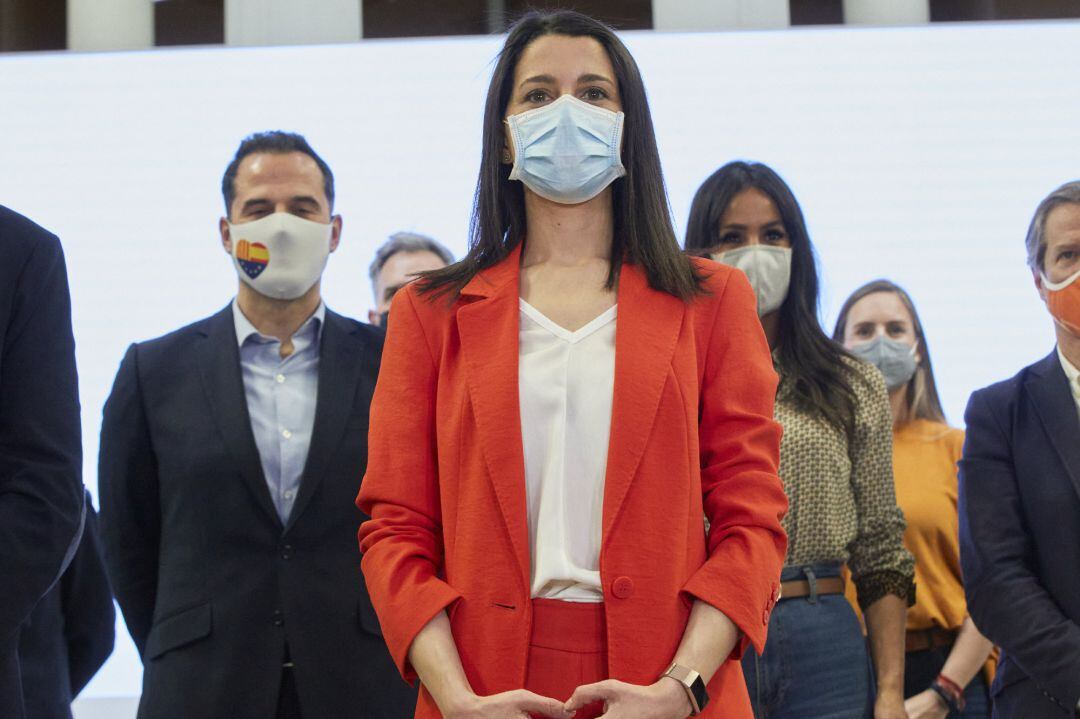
(866,380)
(715,275)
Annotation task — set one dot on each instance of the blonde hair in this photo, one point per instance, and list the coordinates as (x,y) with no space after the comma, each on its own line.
(923,401)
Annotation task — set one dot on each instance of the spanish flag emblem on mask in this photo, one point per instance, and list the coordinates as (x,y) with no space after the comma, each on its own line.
(253,257)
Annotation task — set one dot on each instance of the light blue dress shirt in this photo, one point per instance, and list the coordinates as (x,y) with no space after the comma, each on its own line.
(281,401)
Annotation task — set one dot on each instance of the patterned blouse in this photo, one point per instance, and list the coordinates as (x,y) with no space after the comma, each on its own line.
(843,505)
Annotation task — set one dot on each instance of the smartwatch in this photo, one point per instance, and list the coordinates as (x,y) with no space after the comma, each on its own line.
(693,684)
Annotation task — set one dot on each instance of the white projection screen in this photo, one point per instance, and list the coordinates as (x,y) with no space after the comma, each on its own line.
(917,154)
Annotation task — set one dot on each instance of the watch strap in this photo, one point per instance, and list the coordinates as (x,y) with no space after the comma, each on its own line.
(693,684)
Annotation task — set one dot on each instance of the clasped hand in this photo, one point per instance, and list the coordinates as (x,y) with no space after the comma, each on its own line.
(665,699)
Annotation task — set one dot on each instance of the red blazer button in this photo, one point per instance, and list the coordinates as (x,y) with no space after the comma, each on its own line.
(623,587)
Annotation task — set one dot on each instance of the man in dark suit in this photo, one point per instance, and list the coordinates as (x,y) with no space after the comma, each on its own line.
(70,633)
(231,454)
(41,493)
(1020,494)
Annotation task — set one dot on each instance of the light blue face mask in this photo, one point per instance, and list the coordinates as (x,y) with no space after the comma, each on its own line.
(568,151)
(895,359)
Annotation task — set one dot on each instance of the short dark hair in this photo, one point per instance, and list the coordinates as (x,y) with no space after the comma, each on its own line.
(277,142)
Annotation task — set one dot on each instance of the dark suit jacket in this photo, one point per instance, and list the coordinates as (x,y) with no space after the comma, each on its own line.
(210,583)
(70,633)
(41,493)
(1020,537)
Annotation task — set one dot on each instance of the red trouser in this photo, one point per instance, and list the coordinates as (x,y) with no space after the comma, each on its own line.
(568,649)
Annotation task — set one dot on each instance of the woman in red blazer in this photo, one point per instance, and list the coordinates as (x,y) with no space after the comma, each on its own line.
(538,482)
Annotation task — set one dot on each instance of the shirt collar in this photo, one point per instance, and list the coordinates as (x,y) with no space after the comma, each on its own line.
(244,328)
(1071,372)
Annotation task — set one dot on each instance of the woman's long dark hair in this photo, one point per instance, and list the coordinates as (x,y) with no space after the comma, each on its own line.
(642,216)
(923,401)
(815,367)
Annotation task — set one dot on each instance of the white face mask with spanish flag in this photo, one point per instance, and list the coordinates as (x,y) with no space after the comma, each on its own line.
(280,255)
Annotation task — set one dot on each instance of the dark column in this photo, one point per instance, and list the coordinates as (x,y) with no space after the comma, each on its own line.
(33,25)
(189,22)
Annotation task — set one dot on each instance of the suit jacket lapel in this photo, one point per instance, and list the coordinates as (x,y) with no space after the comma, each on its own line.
(343,358)
(1054,403)
(488,327)
(219,365)
(645,336)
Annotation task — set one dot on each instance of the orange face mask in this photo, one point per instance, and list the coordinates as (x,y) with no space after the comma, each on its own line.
(1063,301)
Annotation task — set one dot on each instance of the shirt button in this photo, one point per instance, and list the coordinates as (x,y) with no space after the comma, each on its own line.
(623,587)
(289,494)
(286,433)
(280,378)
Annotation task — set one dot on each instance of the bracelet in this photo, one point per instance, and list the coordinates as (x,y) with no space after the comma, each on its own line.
(950,692)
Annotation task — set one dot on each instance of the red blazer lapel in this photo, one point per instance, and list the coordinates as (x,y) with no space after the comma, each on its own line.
(648,329)
(645,338)
(488,327)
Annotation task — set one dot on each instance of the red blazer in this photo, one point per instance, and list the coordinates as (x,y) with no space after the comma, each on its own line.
(692,436)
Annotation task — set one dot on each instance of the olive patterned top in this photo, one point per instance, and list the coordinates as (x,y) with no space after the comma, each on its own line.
(842,501)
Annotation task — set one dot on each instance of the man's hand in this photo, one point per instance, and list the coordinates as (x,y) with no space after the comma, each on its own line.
(890,706)
(926,705)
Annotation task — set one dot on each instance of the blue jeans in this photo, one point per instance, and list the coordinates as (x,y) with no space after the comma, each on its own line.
(815,664)
(922,668)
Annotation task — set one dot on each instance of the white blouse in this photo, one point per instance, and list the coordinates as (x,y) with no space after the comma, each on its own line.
(565,385)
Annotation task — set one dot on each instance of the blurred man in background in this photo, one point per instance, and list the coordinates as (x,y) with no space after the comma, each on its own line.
(231,455)
(396,264)
(41,492)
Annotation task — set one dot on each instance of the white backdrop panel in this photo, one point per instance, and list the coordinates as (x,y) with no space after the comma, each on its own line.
(917,154)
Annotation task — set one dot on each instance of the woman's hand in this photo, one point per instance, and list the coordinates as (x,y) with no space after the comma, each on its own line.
(890,706)
(926,705)
(666,699)
(517,704)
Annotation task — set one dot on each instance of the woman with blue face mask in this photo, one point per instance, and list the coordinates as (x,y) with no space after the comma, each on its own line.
(946,654)
(835,462)
(559,413)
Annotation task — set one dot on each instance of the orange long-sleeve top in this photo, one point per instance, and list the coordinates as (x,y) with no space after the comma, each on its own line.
(925,454)
(924,471)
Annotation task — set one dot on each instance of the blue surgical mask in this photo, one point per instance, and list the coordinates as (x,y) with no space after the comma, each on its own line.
(568,151)
(895,359)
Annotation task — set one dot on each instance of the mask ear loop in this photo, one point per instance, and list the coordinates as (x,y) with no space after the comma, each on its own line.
(1058,286)
(512,138)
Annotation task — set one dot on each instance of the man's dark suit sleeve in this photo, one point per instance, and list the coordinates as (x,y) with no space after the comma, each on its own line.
(89,616)
(130,514)
(41,493)
(1005,598)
